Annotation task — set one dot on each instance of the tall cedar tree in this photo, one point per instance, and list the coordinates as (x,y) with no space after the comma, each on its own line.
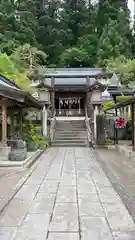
(110,10)
(133,45)
(27,19)
(48,32)
(74,19)
(116,13)
(8,27)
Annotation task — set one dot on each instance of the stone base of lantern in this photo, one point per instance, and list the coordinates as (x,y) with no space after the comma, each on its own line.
(4,153)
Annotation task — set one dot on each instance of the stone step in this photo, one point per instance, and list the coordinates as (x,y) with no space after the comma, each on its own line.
(71,121)
(68,133)
(83,141)
(69,125)
(69,144)
(70,138)
(70,130)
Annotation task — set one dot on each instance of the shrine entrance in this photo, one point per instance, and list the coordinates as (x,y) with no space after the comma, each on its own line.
(69,106)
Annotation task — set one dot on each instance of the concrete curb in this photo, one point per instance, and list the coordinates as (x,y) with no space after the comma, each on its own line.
(104,146)
(126,152)
(24,179)
(22,164)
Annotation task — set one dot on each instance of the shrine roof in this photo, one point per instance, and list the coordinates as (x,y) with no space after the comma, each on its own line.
(70,81)
(7,82)
(115,91)
(10,90)
(72,72)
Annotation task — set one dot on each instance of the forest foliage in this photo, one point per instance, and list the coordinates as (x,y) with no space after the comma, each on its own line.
(67,33)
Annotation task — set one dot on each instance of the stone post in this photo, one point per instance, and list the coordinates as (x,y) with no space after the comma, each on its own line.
(125,113)
(129,110)
(44,121)
(95,116)
(120,112)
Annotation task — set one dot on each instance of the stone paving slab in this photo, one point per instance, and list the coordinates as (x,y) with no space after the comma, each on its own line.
(7,232)
(34,226)
(95,229)
(48,186)
(65,218)
(67,196)
(86,188)
(42,204)
(68,181)
(63,236)
(90,208)
(108,195)
(124,235)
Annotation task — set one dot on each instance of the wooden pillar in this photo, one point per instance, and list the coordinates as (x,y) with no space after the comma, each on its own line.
(79,105)
(4,123)
(19,123)
(133,125)
(53,97)
(12,125)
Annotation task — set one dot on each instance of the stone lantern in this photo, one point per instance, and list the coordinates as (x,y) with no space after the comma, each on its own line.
(96,100)
(106,96)
(43,94)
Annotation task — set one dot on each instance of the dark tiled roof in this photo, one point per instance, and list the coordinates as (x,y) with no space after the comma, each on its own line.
(6,81)
(72,72)
(10,90)
(70,81)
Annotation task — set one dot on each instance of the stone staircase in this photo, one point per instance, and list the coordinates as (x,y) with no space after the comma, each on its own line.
(70,133)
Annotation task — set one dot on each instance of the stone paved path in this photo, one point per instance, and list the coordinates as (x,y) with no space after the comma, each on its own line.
(68,197)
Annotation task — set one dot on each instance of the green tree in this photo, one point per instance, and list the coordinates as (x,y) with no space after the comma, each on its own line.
(8,68)
(89,43)
(74,57)
(28,57)
(112,43)
(49,30)
(74,18)
(25,12)
(125,68)
(8,27)
(110,10)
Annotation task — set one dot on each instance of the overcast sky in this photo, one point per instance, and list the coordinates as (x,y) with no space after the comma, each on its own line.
(131,6)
